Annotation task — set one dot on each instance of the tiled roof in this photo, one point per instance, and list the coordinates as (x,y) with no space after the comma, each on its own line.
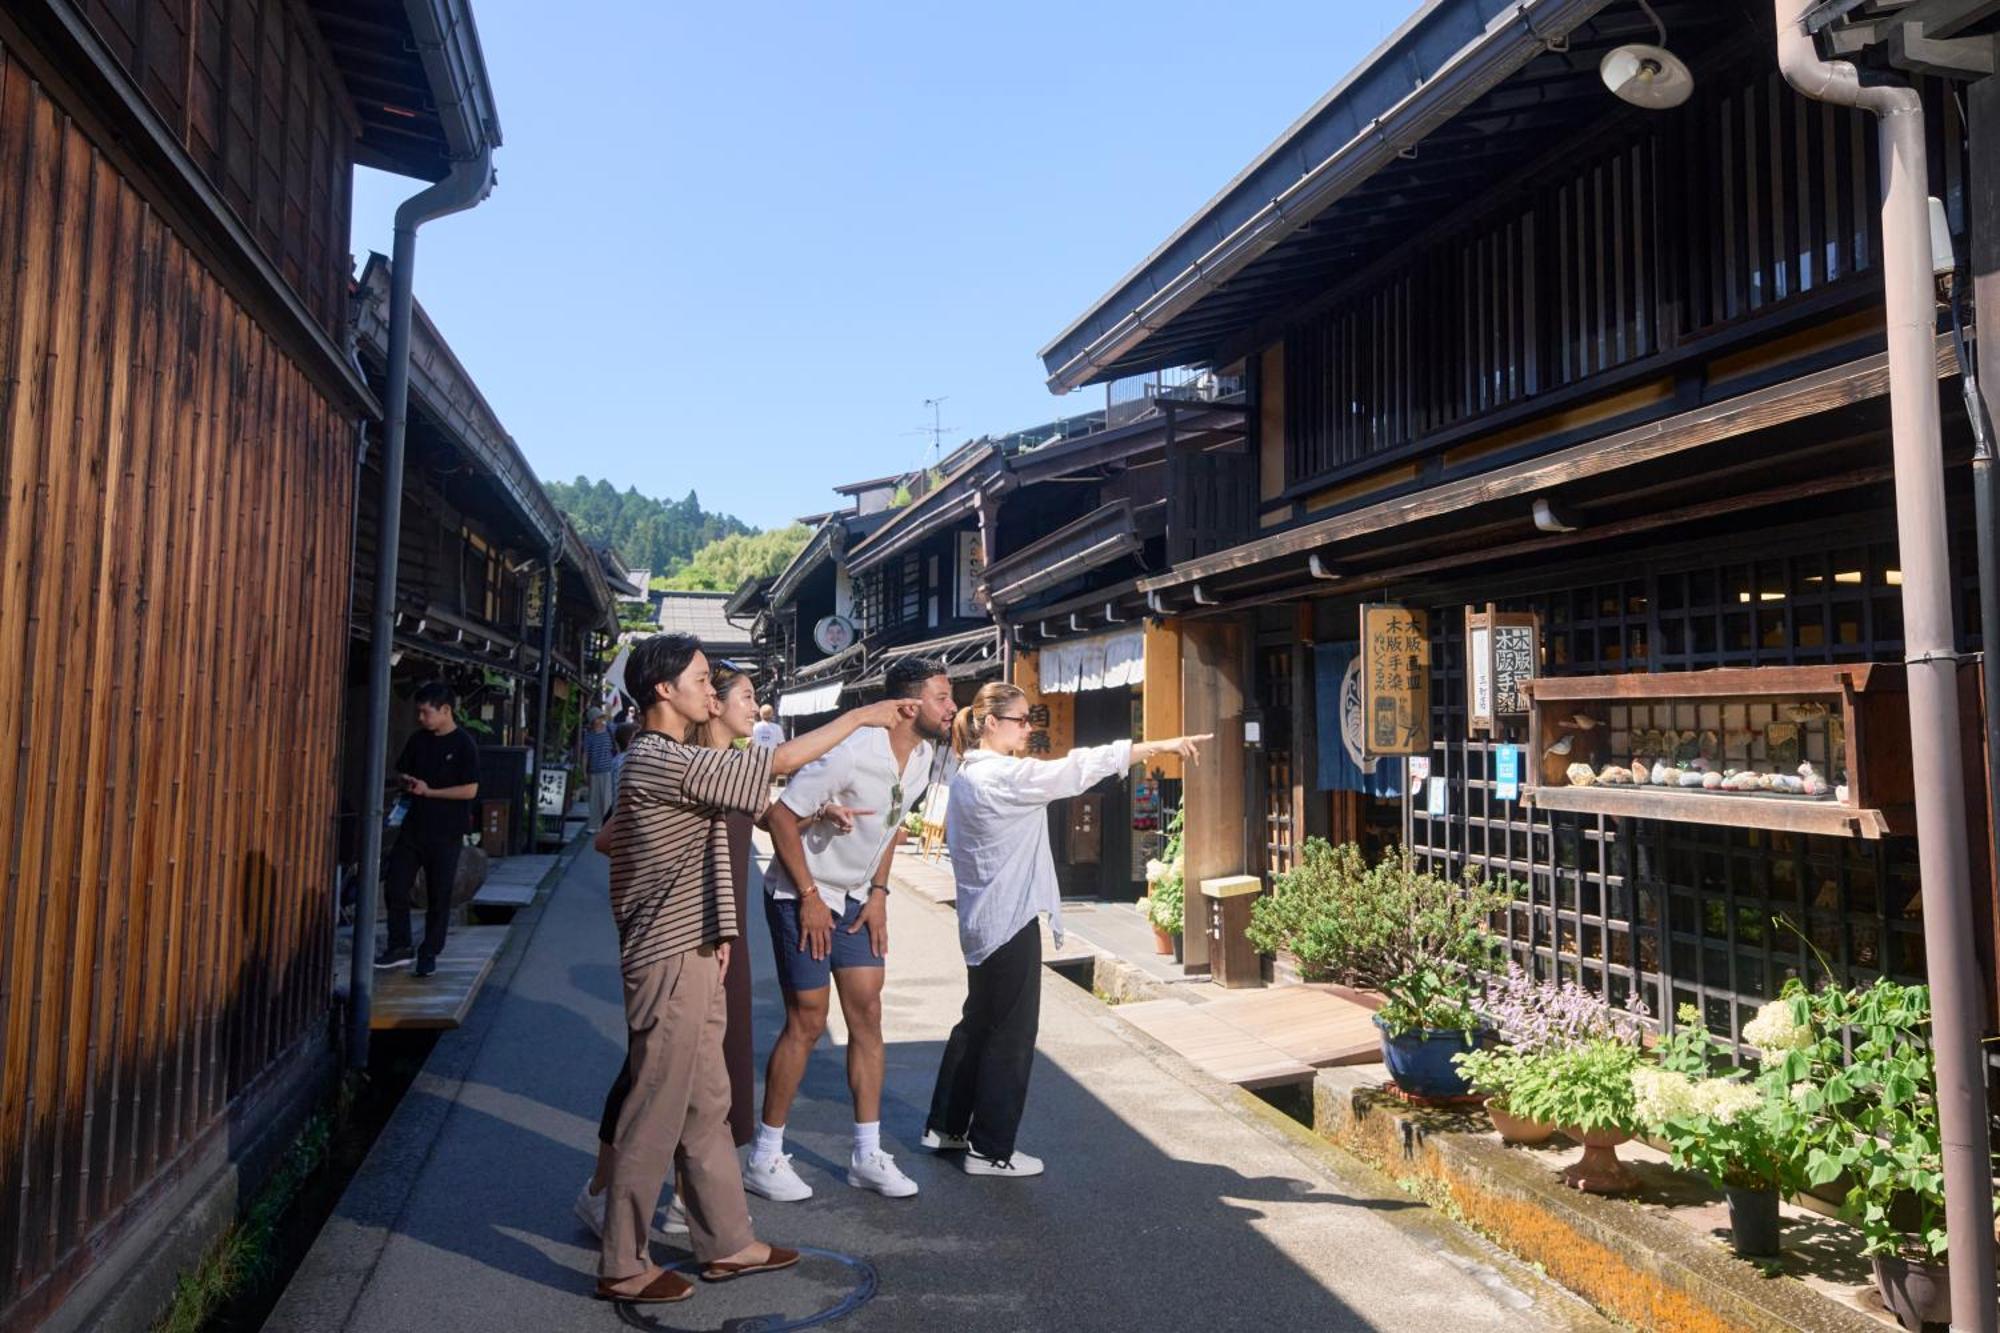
(700,614)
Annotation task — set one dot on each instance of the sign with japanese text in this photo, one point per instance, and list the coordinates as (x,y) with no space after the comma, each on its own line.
(1507,772)
(1395,680)
(1502,649)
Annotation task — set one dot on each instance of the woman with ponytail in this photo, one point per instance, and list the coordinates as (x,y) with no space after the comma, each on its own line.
(998,831)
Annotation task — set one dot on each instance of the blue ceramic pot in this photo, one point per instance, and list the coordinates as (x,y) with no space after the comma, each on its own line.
(1420,1062)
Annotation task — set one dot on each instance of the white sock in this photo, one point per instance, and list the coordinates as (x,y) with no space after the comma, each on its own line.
(769,1143)
(867,1138)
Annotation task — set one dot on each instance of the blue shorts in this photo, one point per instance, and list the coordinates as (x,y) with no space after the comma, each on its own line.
(798,970)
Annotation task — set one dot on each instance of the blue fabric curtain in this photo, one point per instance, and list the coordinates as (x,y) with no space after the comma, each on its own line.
(1337,769)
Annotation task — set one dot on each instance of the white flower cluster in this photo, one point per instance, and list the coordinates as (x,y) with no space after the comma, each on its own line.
(1722,1099)
(1156,870)
(1660,1095)
(1774,1030)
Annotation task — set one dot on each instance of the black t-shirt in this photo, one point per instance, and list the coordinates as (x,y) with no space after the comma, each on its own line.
(450,760)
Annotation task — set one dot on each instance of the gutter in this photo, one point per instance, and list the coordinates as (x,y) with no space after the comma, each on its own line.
(468,182)
(1529,28)
(1929,649)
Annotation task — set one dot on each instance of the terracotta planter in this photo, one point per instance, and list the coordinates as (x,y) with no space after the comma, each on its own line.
(1517,1129)
(1753,1221)
(1916,1291)
(1600,1171)
(1163,941)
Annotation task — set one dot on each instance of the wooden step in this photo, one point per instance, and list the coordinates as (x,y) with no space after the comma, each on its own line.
(1211,1044)
(1310,1023)
(512,881)
(404,1000)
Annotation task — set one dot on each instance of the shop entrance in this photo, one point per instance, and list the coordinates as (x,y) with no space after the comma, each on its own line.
(1092,833)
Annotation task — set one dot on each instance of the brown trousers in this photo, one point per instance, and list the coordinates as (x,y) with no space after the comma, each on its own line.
(677,1115)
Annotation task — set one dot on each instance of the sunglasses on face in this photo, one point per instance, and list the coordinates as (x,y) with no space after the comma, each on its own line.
(1002,717)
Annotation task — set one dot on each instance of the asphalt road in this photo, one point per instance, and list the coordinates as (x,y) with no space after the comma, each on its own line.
(1170,1202)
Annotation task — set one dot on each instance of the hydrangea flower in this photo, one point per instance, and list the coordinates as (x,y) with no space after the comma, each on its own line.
(1156,870)
(1774,1029)
(1723,1099)
(1660,1095)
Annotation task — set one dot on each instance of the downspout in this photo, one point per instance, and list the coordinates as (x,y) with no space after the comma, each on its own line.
(1957,1008)
(468,182)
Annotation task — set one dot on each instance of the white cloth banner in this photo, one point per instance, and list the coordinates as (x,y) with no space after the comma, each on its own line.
(1108,662)
(807,702)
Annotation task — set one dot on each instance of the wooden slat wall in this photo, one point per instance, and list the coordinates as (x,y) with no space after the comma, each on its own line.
(247,89)
(173,566)
(1749,197)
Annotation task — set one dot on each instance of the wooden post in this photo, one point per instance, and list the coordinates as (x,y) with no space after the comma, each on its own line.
(1212,694)
(1308,808)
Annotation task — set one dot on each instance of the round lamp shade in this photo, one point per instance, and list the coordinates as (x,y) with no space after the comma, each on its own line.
(1648,76)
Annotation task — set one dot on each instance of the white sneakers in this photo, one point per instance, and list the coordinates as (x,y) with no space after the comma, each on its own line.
(878,1171)
(774,1179)
(1019,1166)
(589,1209)
(939,1141)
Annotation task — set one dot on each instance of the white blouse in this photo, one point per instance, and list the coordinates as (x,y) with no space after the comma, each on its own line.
(998,832)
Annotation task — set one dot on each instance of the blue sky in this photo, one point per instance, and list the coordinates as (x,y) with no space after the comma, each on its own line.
(734,248)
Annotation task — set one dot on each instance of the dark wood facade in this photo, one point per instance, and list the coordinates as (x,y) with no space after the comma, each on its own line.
(173,553)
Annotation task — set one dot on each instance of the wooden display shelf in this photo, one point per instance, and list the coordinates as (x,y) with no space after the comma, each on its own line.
(1869,697)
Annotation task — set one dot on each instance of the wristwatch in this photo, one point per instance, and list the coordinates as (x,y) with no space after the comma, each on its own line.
(878,888)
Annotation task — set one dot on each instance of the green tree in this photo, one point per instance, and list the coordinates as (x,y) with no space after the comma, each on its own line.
(723,564)
(660,535)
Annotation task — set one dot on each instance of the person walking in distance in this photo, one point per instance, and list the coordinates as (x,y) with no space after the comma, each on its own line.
(998,832)
(677,926)
(600,766)
(827,905)
(767,732)
(735,711)
(438,771)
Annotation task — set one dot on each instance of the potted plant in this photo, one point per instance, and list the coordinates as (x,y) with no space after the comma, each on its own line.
(1166,893)
(1492,1074)
(1742,1134)
(1418,938)
(1875,1112)
(1586,1091)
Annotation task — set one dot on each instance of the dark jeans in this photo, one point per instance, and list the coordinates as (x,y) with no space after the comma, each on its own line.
(983,1083)
(438,859)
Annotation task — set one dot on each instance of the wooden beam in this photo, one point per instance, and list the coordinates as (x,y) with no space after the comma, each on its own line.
(1212,701)
(1810,395)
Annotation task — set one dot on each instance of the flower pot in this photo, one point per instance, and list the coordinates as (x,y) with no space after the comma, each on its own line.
(1177,949)
(1753,1221)
(1599,1171)
(1916,1291)
(1517,1129)
(1163,941)
(1420,1062)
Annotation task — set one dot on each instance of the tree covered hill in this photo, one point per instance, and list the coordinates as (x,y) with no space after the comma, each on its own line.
(660,535)
(722,565)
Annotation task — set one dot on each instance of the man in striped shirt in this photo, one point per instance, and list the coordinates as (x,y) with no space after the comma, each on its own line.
(670,878)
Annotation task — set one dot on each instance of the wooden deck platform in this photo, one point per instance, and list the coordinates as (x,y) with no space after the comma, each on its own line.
(404,1000)
(1221,1048)
(512,881)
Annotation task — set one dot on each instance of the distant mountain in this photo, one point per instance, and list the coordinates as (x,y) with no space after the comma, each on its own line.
(660,535)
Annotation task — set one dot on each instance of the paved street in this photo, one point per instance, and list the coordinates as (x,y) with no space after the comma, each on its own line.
(1169,1202)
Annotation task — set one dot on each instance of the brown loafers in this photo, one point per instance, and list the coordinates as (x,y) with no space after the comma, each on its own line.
(723,1272)
(665,1288)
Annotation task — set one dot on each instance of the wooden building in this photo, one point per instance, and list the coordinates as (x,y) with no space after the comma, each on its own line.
(178,439)
(1507,340)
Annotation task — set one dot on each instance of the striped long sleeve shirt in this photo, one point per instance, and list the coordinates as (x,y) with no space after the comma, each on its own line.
(670,868)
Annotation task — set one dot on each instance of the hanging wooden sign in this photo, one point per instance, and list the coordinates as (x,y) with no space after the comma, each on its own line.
(1502,650)
(1395,680)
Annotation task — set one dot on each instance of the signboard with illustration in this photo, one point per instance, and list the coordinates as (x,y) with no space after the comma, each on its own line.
(1395,680)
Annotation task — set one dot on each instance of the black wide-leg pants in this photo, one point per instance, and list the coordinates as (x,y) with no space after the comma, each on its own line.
(983,1083)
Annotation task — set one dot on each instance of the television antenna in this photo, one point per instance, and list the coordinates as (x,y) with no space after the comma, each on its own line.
(937,428)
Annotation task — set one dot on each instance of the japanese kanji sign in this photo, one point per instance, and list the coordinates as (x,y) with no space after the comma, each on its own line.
(1502,649)
(1395,680)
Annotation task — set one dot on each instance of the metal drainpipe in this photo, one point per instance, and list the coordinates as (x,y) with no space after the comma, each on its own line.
(1957,1006)
(466,185)
(1989,553)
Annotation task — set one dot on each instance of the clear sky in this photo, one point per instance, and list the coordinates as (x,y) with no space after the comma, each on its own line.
(735,247)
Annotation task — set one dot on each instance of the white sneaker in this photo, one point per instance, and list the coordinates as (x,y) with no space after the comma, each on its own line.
(675,1222)
(938,1141)
(775,1180)
(878,1171)
(590,1209)
(1019,1165)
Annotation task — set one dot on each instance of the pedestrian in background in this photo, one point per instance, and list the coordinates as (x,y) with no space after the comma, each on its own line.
(767,732)
(438,770)
(677,925)
(998,831)
(600,767)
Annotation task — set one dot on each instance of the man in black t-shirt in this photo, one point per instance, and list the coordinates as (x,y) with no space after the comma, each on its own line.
(438,772)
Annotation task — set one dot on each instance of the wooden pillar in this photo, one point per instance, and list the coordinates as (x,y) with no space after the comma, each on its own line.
(1212,698)
(1309,808)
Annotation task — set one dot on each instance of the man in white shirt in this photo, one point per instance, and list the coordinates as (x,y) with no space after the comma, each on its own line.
(826,901)
(767,732)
